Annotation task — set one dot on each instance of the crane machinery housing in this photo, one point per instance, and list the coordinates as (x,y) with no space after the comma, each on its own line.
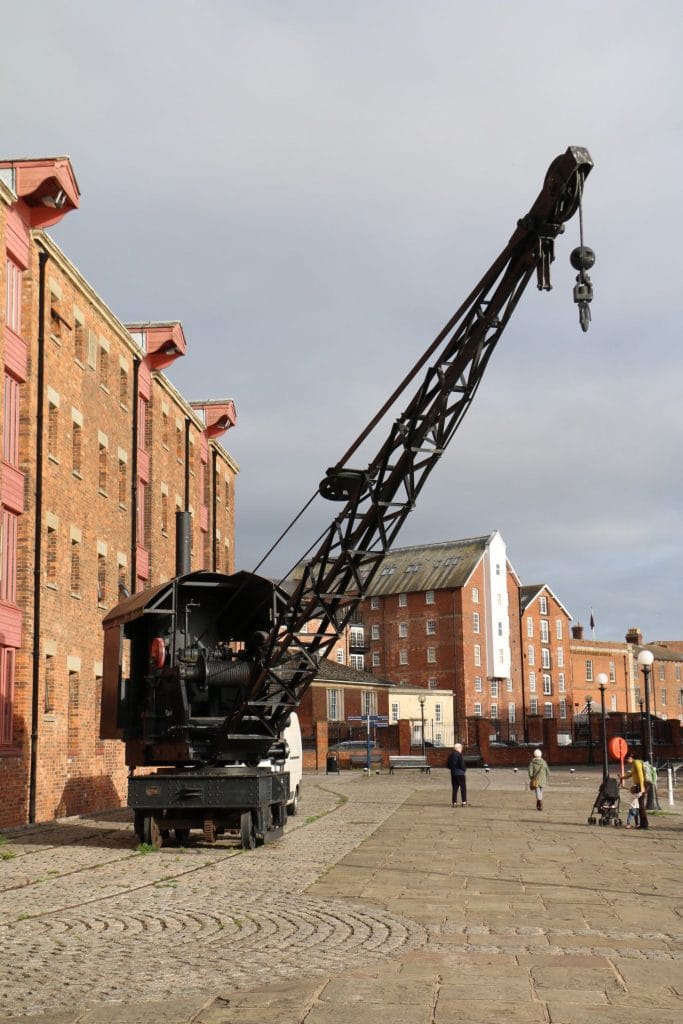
(203,672)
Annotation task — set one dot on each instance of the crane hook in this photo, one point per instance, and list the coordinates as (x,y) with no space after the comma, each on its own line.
(582,259)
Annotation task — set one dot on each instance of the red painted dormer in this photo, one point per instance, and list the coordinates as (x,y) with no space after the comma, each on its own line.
(162,342)
(47,188)
(218,416)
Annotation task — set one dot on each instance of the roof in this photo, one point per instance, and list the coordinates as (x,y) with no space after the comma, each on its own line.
(529,592)
(332,672)
(445,565)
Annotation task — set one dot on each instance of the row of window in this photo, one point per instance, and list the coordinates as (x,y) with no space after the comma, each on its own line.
(548,712)
(545,657)
(335,704)
(545,629)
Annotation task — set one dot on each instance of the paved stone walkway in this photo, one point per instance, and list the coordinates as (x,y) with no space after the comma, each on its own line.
(380,898)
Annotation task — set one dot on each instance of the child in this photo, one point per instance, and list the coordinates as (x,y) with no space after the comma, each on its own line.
(632,817)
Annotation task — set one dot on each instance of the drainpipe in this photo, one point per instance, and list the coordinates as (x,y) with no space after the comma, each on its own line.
(38,540)
(188,424)
(134,482)
(214,506)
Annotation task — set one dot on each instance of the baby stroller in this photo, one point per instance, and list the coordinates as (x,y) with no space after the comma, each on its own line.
(606,804)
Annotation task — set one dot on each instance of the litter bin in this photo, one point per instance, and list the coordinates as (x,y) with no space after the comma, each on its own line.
(332,764)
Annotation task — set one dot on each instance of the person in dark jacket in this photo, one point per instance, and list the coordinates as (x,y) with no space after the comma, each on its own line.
(456,766)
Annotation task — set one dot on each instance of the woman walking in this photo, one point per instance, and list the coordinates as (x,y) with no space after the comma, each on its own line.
(538,776)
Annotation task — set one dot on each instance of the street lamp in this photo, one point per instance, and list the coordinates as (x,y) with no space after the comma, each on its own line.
(589,706)
(601,680)
(645,659)
(422,700)
(642,728)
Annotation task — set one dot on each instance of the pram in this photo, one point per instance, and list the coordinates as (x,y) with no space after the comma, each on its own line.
(606,804)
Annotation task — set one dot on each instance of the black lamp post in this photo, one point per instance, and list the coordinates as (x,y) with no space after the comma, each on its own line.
(422,726)
(589,705)
(601,680)
(642,728)
(645,659)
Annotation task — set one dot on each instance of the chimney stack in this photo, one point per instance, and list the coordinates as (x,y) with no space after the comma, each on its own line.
(634,636)
(577,632)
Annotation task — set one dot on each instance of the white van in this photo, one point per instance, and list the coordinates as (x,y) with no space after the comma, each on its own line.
(293,763)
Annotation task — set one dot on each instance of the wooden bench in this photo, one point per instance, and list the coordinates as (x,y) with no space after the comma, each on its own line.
(409,761)
(361,760)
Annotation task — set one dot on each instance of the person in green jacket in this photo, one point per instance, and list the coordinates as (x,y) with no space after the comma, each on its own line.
(538,776)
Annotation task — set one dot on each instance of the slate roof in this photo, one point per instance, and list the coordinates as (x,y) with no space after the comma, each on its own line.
(442,566)
(332,672)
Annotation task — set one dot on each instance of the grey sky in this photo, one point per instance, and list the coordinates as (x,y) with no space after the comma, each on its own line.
(312,189)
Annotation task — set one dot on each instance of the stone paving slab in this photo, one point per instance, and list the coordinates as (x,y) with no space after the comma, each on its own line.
(379,896)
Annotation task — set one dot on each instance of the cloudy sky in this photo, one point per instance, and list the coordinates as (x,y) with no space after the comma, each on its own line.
(312,187)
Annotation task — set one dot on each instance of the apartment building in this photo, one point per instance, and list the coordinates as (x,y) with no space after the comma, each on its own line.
(91,478)
(544,643)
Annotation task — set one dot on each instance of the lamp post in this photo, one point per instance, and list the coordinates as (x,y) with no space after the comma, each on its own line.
(422,700)
(589,706)
(642,727)
(645,659)
(601,680)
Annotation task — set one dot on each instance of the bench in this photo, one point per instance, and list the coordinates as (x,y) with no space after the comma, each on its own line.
(473,760)
(361,760)
(409,761)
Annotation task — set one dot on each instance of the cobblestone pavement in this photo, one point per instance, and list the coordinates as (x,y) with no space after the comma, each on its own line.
(379,893)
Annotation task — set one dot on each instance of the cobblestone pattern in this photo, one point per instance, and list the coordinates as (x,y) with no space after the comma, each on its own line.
(86,919)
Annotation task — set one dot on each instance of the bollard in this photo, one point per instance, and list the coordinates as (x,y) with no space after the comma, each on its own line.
(670,785)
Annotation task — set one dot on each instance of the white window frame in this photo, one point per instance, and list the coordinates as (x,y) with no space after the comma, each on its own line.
(403,600)
(529,627)
(477,655)
(430,627)
(429,597)
(475,622)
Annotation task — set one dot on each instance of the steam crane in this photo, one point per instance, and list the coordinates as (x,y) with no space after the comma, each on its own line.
(202,673)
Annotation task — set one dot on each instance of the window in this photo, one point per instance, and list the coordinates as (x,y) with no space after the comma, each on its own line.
(357,661)
(335,710)
(374,603)
(179,441)
(530,656)
(475,622)
(494,711)
(431,627)
(612,672)
(53,430)
(101,577)
(499,628)
(678,673)
(49,694)
(477,654)
(475,595)
(497,568)
(544,631)
(75,567)
(558,629)
(102,467)
(547,685)
(8,581)
(376,659)
(438,713)
(478,684)
(543,604)
(51,557)
(508,685)
(374,631)
(477,710)
(432,683)
(589,669)
(560,657)
(79,339)
(662,699)
(340,656)
(547,710)
(403,657)
(563,708)
(6,694)
(511,712)
(661,670)
(403,600)
(10,420)
(429,597)
(532,682)
(533,706)
(395,711)
(613,702)
(13,304)
(356,637)
(104,366)
(431,655)
(560,682)
(368,702)
(494,687)
(545,657)
(123,487)
(76,448)
(403,629)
